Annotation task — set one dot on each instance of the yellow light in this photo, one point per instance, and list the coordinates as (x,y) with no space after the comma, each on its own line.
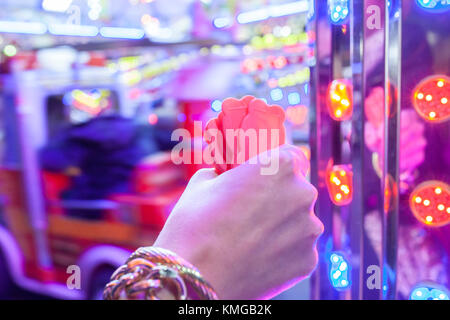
(418,199)
(444,100)
(441,207)
(146,18)
(345,189)
(420,96)
(432,114)
(336,97)
(336,180)
(440,83)
(338,113)
(342,173)
(345,102)
(429,218)
(426,203)
(448,210)
(338,196)
(429,97)
(438,190)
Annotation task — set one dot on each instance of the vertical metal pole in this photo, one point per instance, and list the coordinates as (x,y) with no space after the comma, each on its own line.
(321,151)
(357,146)
(391,152)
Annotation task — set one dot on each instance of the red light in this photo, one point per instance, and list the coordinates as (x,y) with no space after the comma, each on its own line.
(340,99)
(153,119)
(273,83)
(431,98)
(340,183)
(279,62)
(249,65)
(297,114)
(430,203)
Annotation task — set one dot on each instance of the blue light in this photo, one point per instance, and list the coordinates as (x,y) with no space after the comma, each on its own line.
(181,117)
(276,94)
(294,98)
(122,33)
(339,271)
(273,11)
(216,105)
(73,30)
(22,27)
(338,11)
(222,22)
(434,5)
(429,291)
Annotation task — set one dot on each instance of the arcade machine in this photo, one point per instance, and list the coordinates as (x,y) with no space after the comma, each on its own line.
(364,86)
(380,141)
(39,241)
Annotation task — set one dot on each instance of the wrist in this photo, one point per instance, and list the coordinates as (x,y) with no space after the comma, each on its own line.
(155,273)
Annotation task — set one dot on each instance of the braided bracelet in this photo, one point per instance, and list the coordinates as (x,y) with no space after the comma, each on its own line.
(150,271)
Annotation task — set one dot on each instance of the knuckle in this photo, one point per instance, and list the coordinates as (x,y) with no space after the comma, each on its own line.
(310,193)
(317,228)
(285,159)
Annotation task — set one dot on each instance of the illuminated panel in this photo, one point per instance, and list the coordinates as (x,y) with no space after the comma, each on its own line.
(434,5)
(340,184)
(339,271)
(338,11)
(431,98)
(429,291)
(91,101)
(340,100)
(430,203)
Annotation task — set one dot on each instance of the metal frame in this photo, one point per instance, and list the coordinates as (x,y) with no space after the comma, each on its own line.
(372,31)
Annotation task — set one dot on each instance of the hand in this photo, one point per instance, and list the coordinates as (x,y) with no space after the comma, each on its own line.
(250,235)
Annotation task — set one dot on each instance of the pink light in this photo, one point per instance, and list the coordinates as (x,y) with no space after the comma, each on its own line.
(152,119)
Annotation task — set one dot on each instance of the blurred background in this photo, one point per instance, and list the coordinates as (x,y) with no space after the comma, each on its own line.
(91,91)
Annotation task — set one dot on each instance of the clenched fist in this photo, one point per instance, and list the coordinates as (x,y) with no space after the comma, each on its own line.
(250,235)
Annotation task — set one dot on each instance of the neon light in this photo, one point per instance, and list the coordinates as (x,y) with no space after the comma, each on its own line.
(294,79)
(253,16)
(222,22)
(56,5)
(273,12)
(340,100)
(10,50)
(276,94)
(339,271)
(430,203)
(73,30)
(340,183)
(91,102)
(434,5)
(181,117)
(431,97)
(122,33)
(216,105)
(338,11)
(429,291)
(294,98)
(22,27)
(152,119)
(297,114)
